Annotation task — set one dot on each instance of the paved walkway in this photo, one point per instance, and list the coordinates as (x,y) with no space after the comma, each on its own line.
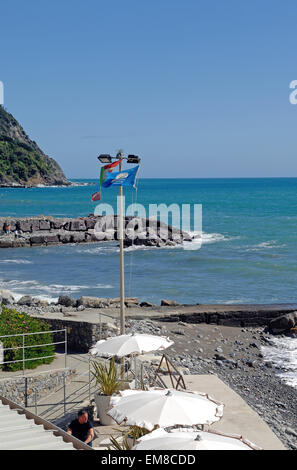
(238,417)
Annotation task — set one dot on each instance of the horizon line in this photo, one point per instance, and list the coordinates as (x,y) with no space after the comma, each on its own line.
(200,177)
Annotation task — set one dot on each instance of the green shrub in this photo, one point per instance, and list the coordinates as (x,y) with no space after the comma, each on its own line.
(12,323)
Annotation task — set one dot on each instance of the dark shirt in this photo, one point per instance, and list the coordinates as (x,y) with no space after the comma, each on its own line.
(80,431)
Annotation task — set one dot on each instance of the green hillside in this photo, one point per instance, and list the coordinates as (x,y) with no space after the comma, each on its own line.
(22,162)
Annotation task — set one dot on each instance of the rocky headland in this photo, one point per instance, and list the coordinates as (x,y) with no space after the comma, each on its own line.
(22,163)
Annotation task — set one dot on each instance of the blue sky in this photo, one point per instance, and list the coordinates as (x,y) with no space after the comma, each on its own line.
(196,88)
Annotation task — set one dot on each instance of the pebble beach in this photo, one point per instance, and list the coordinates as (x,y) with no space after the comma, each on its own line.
(234,355)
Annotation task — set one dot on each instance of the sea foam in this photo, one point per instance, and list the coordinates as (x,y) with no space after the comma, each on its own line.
(282,353)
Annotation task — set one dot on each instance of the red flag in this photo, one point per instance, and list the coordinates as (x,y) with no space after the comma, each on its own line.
(96,196)
(112,165)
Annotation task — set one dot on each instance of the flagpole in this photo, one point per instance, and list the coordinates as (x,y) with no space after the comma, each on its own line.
(106,158)
(122,267)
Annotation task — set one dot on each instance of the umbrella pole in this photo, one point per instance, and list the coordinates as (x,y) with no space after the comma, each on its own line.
(135,371)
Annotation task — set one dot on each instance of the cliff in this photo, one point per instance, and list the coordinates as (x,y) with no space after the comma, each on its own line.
(22,162)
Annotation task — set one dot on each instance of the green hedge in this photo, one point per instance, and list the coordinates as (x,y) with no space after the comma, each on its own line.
(12,323)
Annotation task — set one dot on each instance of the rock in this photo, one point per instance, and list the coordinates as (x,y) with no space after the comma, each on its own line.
(77,237)
(90,223)
(220,357)
(291,431)
(80,308)
(6,297)
(51,239)
(78,225)
(24,225)
(37,240)
(28,300)
(180,331)
(146,304)
(91,302)
(6,242)
(44,224)
(251,363)
(57,224)
(66,301)
(169,303)
(64,236)
(131,301)
(283,323)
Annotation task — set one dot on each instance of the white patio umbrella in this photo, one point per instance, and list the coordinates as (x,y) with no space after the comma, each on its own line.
(130,344)
(198,440)
(165,407)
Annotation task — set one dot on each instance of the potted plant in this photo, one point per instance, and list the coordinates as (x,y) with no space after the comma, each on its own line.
(108,382)
(129,438)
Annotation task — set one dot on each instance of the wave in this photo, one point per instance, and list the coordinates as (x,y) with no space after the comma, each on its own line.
(43,292)
(216,237)
(234,301)
(282,353)
(268,245)
(15,261)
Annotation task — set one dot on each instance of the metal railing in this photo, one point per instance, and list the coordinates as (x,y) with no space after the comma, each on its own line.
(23,347)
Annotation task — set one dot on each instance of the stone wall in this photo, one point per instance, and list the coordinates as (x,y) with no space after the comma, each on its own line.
(25,389)
(80,335)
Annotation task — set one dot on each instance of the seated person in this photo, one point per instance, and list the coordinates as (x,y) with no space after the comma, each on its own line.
(82,428)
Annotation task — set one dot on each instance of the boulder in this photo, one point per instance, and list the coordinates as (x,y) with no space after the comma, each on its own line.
(146,304)
(105,222)
(66,301)
(37,240)
(169,303)
(77,237)
(44,224)
(6,297)
(65,237)
(57,224)
(51,239)
(24,225)
(28,300)
(283,323)
(77,225)
(92,302)
(35,225)
(90,223)
(6,242)
(131,301)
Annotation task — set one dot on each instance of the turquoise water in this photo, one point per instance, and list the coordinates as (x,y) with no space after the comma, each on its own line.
(248,252)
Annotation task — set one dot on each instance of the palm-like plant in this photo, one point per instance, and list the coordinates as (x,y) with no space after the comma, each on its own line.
(129,438)
(106,377)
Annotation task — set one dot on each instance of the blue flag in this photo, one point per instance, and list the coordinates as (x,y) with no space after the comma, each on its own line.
(121,178)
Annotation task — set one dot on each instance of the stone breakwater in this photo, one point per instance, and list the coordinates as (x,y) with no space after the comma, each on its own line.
(46,231)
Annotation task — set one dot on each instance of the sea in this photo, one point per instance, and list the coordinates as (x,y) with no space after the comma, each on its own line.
(247,255)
